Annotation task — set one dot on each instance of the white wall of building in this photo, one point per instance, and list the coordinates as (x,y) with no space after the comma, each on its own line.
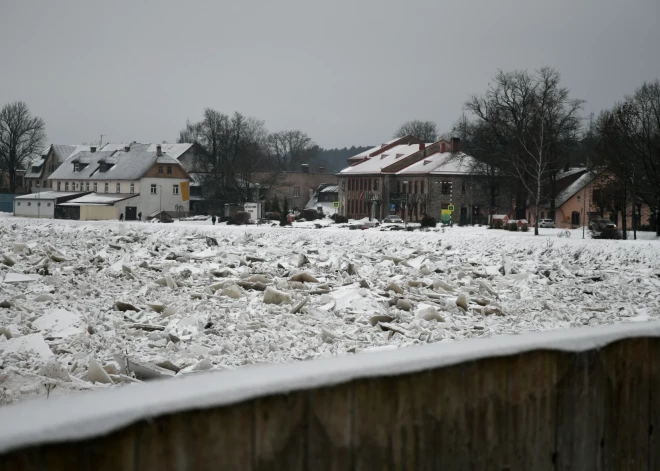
(81,185)
(34,208)
(164,199)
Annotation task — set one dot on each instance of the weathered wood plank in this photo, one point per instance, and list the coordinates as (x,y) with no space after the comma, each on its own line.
(280,432)
(580,419)
(654,401)
(627,412)
(330,428)
(532,411)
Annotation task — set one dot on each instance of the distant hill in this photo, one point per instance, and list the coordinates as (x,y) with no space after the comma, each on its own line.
(335,159)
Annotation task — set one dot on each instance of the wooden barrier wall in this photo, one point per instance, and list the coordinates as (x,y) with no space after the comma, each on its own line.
(540,410)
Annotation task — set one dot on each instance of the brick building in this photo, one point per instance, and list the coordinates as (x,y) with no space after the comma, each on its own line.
(297,187)
(414,179)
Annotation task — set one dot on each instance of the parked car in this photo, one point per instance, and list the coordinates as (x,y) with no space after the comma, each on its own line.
(392,219)
(547,223)
(600,224)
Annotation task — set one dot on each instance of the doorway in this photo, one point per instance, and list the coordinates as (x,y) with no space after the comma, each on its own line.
(131,213)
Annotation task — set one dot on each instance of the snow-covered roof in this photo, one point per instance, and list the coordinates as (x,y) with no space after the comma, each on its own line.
(96,198)
(330,189)
(129,165)
(34,167)
(48,195)
(378,162)
(173,150)
(570,171)
(566,194)
(440,163)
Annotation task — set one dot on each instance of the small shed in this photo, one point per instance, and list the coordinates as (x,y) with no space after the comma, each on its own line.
(42,204)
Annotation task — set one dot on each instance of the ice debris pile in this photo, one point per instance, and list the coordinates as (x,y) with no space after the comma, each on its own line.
(94,305)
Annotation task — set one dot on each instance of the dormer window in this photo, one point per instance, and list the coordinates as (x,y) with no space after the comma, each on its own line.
(76,167)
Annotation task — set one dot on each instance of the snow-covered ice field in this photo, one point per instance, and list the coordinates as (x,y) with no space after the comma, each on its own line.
(88,305)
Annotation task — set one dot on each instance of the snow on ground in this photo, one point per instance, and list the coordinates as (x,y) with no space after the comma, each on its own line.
(90,305)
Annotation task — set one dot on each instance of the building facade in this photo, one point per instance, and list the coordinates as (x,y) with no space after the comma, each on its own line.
(411,180)
(133,180)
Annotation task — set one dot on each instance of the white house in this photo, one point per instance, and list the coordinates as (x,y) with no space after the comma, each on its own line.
(130,181)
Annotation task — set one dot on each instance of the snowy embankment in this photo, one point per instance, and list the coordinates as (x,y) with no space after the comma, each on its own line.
(91,305)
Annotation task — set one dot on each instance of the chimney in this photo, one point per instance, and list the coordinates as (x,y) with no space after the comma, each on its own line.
(455,144)
(422,146)
(321,169)
(304,168)
(92,149)
(159,152)
(443,147)
(127,148)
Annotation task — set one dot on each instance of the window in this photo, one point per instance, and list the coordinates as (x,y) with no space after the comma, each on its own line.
(95,187)
(446,188)
(39,204)
(29,204)
(18,204)
(153,189)
(48,205)
(169,170)
(415,188)
(118,188)
(160,169)
(463,187)
(87,186)
(76,167)
(45,184)
(107,187)
(475,210)
(296,192)
(175,189)
(421,187)
(375,185)
(132,188)
(66,186)
(444,206)
(19,181)
(59,186)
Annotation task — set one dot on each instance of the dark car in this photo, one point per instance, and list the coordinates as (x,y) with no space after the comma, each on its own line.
(600,225)
(392,219)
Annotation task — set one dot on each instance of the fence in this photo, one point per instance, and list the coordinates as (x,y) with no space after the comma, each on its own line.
(579,400)
(7,203)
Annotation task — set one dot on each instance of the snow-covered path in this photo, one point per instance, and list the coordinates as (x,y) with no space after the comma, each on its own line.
(78,298)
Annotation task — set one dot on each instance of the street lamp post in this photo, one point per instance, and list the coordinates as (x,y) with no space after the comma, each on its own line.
(405,204)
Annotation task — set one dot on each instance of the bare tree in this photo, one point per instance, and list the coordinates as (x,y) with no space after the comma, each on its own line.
(532,120)
(427,131)
(235,147)
(290,149)
(22,136)
(630,143)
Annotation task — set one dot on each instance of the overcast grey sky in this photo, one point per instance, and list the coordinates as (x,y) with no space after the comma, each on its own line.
(346,72)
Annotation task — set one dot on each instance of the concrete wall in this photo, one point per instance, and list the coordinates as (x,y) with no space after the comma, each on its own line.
(98,213)
(545,408)
(34,208)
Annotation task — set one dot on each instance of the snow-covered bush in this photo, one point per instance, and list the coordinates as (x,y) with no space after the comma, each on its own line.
(524,227)
(497,224)
(512,226)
